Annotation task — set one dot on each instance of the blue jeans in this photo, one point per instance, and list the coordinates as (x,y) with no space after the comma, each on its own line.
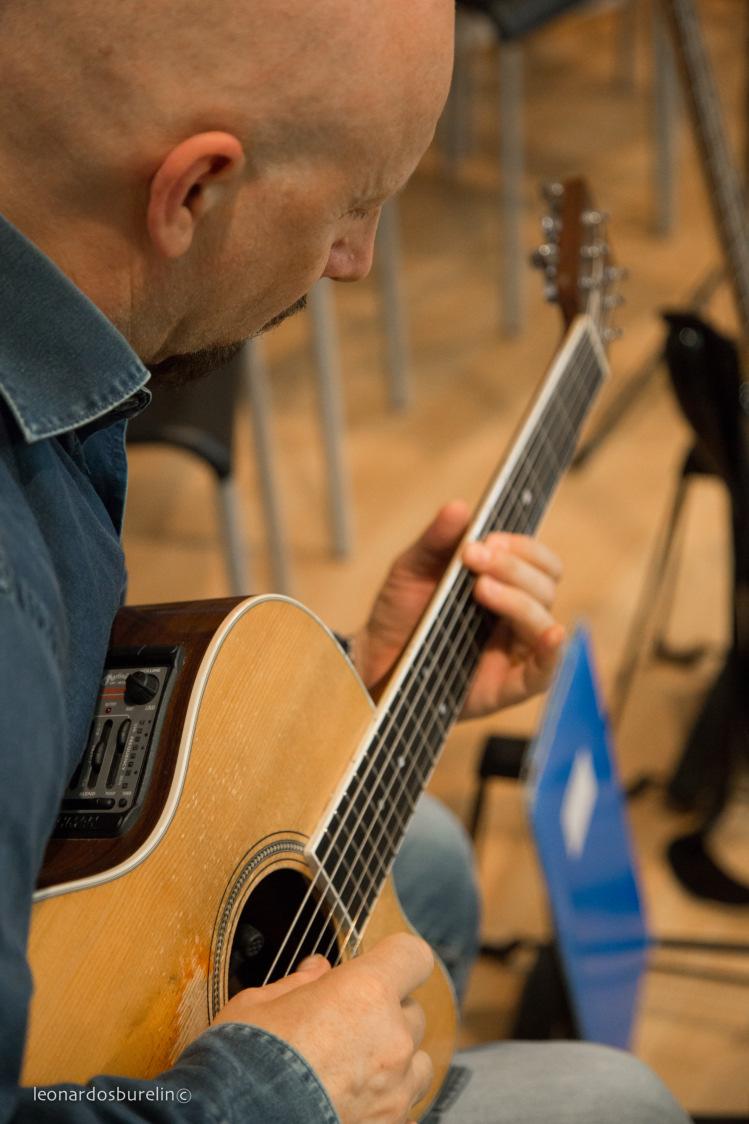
(552,1083)
(434,867)
(509,1082)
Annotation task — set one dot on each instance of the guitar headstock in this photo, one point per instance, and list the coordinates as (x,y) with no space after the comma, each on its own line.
(579,272)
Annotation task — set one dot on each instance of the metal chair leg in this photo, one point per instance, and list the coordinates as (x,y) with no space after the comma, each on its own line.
(626,46)
(256,385)
(389,270)
(240,581)
(328,364)
(666,94)
(641,630)
(512,160)
(455,126)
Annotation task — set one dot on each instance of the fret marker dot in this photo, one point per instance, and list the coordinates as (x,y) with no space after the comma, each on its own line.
(401,762)
(527,497)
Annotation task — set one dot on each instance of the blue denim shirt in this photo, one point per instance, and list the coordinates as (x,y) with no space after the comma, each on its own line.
(68,381)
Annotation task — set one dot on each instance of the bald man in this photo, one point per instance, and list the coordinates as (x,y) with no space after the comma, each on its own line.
(174,176)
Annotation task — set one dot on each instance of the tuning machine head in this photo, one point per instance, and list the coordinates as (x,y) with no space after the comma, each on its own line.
(553,193)
(597,275)
(553,196)
(546,257)
(575,257)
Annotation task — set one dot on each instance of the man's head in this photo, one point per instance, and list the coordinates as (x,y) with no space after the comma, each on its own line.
(196,167)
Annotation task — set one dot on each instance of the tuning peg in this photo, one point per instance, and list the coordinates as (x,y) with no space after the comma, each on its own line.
(551,292)
(616,273)
(545,256)
(593,218)
(613,300)
(594,250)
(589,283)
(552,192)
(612,334)
(550,228)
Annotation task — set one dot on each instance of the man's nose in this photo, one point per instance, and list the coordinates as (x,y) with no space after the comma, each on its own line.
(351,257)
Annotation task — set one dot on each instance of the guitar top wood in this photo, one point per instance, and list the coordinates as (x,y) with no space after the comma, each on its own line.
(126,968)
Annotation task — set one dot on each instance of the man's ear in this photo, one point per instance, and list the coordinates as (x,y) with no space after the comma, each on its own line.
(192,179)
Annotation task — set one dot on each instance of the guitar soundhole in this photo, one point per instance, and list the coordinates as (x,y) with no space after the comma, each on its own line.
(281,922)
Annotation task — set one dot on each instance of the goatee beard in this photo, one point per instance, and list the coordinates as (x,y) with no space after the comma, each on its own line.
(179,370)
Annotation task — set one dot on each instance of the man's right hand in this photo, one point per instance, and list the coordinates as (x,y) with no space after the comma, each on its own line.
(356,1025)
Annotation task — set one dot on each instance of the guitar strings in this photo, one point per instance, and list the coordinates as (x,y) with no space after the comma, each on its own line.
(462,643)
(382,730)
(464,586)
(465,582)
(577,381)
(465,579)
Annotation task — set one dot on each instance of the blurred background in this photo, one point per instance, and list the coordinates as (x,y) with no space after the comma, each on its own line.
(352,423)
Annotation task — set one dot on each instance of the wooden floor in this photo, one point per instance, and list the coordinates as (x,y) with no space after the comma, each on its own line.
(468,387)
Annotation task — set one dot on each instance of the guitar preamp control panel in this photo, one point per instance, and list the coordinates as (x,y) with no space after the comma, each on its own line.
(107,789)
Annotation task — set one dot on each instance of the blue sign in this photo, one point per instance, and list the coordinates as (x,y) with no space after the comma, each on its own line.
(579,822)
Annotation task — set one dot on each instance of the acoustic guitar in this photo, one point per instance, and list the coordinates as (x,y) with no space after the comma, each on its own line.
(241,799)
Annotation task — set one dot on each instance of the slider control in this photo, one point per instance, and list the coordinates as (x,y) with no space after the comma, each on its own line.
(119,748)
(97,756)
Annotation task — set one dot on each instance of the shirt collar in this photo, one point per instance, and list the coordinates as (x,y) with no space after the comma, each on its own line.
(62,363)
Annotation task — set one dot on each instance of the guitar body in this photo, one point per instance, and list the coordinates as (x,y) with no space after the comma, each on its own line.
(265,719)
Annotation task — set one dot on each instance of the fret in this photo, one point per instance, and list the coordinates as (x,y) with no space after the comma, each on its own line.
(567,428)
(573,405)
(356,845)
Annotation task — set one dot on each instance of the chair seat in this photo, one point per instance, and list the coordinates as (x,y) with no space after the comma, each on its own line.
(197,417)
(516,18)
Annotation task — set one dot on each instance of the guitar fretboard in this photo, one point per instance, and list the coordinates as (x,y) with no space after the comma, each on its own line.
(355,847)
(724,184)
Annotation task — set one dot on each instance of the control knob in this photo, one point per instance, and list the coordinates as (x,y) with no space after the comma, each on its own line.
(140,688)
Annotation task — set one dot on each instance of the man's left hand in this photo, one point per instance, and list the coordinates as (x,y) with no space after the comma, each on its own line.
(516,578)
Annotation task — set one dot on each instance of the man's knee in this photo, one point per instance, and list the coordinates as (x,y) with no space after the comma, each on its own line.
(434,871)
(559,1082)
(435,879)
(620,1088)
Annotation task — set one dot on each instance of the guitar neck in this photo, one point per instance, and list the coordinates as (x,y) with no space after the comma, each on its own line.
(724,184)
(358,839)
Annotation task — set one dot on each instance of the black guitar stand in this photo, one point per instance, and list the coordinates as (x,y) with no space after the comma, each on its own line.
(637,382)
(653,593)
(707,381)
